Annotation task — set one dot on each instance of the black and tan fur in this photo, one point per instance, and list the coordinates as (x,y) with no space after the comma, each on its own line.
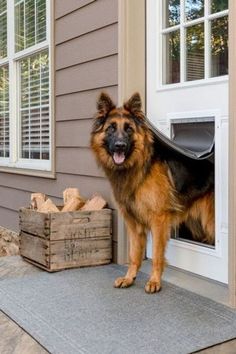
(155,188)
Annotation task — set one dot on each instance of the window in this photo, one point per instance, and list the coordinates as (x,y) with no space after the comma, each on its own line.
(194,40)
(25,84)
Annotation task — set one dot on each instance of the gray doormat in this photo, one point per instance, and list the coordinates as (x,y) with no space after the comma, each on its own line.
(79,311)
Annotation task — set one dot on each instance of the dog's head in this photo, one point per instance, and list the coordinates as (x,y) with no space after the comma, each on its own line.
(120,137)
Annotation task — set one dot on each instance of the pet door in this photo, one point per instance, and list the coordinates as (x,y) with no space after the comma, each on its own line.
(195,135)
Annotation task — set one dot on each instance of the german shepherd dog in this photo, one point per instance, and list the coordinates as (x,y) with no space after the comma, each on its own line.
(155,188)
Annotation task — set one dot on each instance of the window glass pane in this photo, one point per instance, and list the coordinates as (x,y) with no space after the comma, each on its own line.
(40,20)
(3,28)
(219,5)
(3,5)
(34,106)
(195,52)
(171,13)
(30,23)
(19,27)
(45,133)
(171,58)
(4,112)
(194,9)
(219,46)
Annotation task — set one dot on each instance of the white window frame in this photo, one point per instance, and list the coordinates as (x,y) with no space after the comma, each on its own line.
(160,55)
(14,163)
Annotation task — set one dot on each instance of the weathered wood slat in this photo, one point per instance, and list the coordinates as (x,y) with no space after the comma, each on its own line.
(35,248)
(73,232)
(34,223)
(38,264)
(80,224)
(85,263)
(76,216)
(74,252)
(57,267)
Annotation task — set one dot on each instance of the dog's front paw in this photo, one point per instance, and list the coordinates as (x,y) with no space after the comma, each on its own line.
(123,282)
(152,287)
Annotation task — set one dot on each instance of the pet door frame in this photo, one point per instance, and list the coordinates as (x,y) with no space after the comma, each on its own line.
(195,117)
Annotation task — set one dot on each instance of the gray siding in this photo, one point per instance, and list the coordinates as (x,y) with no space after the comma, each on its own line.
(79,105)
(86,47)
(87,76)
(90,46)
(95,15)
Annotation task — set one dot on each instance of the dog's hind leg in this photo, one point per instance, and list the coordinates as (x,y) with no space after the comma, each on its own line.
(203,211)
(160,234)
(137,240)
(208,218)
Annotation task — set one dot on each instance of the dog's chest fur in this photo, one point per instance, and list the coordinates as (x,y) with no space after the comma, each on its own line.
(144,196)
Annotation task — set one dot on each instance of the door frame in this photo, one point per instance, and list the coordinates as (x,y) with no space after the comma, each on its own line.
(232,153)
(132,77)
(131,74)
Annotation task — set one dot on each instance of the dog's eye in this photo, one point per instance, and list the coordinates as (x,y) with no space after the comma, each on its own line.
(128,129)
(111,128)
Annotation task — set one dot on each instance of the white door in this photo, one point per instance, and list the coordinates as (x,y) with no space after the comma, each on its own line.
(187,79)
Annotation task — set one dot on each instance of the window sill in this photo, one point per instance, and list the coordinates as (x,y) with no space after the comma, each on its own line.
(196,83)
(28,172)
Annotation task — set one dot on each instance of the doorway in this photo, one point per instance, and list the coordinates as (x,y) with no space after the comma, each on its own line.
(187,79)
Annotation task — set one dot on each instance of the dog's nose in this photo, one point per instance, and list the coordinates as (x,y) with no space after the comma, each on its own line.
(120,145)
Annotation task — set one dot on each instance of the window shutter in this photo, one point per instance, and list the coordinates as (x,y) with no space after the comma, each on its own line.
(34,106)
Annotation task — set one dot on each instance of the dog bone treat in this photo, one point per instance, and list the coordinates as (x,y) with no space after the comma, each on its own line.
(95,203)
(48,206)
(73,204)
(37,199)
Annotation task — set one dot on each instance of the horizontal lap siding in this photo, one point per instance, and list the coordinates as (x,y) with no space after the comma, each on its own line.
(13,199)
(87,76)
(9,218)
(53,188)
(63,8)
(89,18)
(78,161)
(86,62)
(74,133)
(80,105)
(93,45)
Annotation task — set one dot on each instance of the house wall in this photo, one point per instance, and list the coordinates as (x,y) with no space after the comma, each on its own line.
(86,62)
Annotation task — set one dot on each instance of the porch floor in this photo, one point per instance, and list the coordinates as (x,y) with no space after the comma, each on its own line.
(14,340)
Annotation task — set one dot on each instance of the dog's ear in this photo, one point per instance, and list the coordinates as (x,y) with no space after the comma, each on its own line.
(134,106)
(104,104)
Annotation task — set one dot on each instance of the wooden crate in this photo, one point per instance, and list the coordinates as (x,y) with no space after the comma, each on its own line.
(55,241)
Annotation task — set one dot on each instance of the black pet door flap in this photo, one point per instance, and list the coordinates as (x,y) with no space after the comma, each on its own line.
(194,138)
(197,137)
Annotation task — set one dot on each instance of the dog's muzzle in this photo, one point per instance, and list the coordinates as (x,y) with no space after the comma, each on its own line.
(119,152)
